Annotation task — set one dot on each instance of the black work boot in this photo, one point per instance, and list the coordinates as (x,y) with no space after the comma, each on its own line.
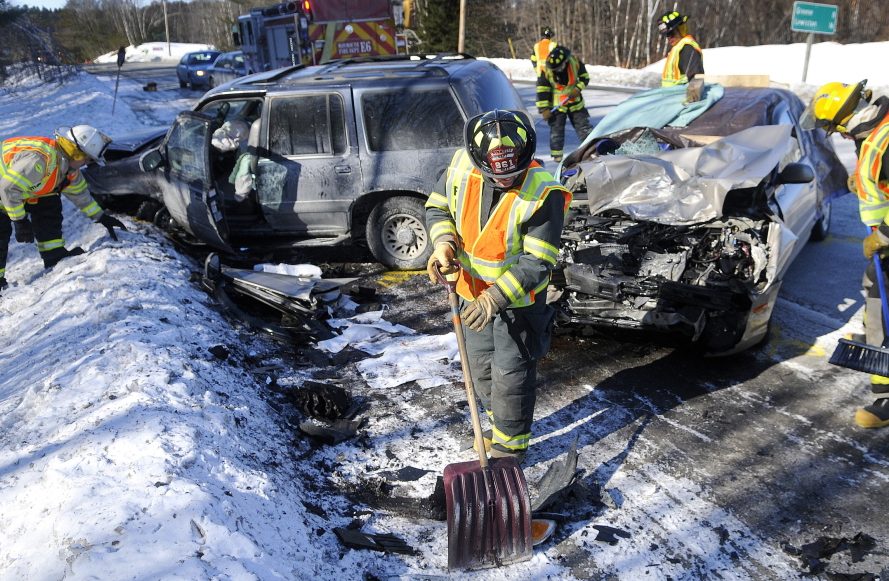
(876,415)
(52,257)
(3,284)
(499,452)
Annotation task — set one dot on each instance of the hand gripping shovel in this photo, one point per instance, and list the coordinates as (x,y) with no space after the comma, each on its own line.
(488,505)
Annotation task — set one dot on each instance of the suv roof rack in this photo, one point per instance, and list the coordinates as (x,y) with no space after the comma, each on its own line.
(421,59)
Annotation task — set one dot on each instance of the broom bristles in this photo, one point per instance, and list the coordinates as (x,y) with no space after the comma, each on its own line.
(861,357)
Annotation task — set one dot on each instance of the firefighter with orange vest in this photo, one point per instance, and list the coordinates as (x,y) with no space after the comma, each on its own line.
(850,110)
(495,218)
(685,60)
(33,172)
(560,97)
(542,49)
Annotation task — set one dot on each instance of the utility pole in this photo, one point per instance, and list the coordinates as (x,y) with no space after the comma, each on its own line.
(167,28)
(462,30)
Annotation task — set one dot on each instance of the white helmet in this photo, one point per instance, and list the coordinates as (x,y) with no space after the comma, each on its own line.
(86,138)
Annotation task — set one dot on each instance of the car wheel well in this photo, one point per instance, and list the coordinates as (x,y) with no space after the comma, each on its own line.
(394,228)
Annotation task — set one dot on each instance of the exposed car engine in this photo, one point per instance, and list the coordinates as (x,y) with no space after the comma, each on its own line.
(625,273)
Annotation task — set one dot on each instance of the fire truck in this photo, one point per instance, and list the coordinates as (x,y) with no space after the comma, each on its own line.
(316,31)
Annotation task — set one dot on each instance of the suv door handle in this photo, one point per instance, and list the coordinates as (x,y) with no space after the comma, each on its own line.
(342,169)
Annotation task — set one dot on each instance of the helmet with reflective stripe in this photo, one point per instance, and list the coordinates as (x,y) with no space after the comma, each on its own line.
(833,105)
(83,141)
(670,21)
(546,32)
(501,143)
(558,58)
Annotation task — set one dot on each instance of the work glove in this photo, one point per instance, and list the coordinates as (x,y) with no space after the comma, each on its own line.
(23,230)
(110,223)
(443,260)
(874,242)
(852,184)
(545,113)
(478,314)
(574,94)
(694,90)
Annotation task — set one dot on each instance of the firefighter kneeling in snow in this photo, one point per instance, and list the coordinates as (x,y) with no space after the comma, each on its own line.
(496,217)
(33,172)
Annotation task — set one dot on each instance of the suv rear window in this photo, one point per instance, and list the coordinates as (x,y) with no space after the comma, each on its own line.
(402,120)
(307,125)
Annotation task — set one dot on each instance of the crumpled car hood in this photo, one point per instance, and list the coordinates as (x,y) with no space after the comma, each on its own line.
(686,186)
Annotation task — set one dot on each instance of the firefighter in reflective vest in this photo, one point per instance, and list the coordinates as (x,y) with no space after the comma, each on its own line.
(685,60)
(495,217)
(33,172)
(542,49)
(851,111)
(559,98)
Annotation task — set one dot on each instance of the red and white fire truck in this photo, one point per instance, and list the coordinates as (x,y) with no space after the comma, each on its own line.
(316,31)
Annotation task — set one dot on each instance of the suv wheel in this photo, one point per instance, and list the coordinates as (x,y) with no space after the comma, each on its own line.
(396,233)
(182,84)
(822,226)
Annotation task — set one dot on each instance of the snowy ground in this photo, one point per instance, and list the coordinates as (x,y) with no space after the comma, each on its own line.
(129,451)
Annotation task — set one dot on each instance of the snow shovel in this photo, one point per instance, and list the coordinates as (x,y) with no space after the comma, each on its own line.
(488,504)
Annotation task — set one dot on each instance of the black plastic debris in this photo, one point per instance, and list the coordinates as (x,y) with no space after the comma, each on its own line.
(330,432)
(610,535)
(404,474)
(558,480)
(219,352)
(320,400)
(813,555)
(355,539)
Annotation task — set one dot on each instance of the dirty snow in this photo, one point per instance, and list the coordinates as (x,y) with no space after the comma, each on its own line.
(129,451)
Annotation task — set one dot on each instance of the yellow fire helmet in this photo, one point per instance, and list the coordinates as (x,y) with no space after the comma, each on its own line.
(833,105)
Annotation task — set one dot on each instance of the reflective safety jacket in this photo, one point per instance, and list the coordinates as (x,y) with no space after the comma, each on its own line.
(872,176)
(677,67)
(512,249)
(33,167)
(551,92)
(541,51)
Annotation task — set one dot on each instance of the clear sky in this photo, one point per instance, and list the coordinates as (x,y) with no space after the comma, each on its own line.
(51,4)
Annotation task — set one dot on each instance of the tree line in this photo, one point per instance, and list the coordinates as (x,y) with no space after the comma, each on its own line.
(618,33)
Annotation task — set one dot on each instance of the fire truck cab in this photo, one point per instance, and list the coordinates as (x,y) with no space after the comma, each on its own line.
(316,31)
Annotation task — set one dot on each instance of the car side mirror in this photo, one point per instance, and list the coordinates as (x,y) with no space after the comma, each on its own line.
(796,173)
(151,160)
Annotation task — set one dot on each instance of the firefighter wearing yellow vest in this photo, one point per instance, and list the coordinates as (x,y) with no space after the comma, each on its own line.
(850,111)
(685,60)
(33,172)
(542,49)
(495,218)
(559,98)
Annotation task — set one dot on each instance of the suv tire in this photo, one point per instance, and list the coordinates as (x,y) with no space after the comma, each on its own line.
(396,233)
(822,227)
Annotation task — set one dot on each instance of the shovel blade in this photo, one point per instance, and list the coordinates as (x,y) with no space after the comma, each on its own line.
(489,514)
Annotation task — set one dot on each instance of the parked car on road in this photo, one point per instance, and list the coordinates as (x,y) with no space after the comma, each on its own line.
(227,67)
(193,68)
(691,230)
(344,152)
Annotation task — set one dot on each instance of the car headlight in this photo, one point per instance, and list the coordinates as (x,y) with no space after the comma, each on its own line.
(199,73)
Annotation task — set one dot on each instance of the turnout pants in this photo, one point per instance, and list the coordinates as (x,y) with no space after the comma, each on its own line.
(873,318)
(580,119)
(503,363)
(46,220)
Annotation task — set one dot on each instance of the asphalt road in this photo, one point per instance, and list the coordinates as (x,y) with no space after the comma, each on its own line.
(753,455)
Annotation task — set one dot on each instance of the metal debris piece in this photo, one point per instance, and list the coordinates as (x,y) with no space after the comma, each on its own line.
(320,400)
(330,432)
(376,542)
(609,534)
(558,479)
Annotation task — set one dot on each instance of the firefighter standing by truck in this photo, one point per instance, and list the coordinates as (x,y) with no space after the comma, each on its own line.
(33,172)
(850,111)
(559,98)
(496,217)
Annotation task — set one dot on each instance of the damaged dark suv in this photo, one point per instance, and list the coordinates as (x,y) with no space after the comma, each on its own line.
(343,152)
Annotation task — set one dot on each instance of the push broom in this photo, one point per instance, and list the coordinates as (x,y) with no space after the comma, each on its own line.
(861,356)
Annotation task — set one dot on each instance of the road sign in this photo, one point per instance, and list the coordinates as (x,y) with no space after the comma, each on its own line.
(814,17)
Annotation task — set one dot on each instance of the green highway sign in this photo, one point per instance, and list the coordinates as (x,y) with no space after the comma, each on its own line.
(814,17)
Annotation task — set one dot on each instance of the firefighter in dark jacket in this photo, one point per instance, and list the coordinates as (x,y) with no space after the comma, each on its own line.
(685,60)
(851,111)
(495,218)
(33,172)
(559,98)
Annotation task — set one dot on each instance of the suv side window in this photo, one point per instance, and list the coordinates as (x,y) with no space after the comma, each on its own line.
(403,120)
(307,125)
